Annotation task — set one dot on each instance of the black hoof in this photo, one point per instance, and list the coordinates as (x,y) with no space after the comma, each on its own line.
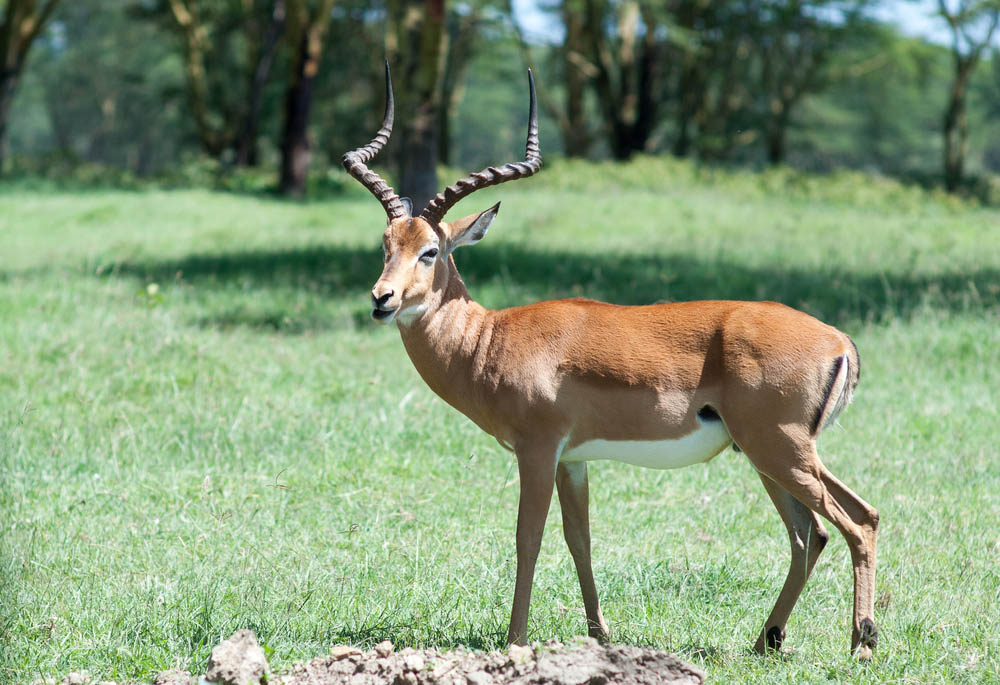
(775,636)
(869,634)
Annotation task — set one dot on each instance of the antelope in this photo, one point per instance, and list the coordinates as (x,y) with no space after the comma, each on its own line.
(564,382)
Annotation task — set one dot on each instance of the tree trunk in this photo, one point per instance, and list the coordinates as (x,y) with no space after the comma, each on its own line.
(246,141)
(8,84)
(308,32)
(776,143)
(625,83)
(648,100)
(575,132)
(20,24)
(569,115)
(690,88)
(777,130)
(966,52)
(418,163)
(295,152)
(634,119)
(956,128)
(196,45)
(600,56)
(462,43)
(690,80)
(418,42)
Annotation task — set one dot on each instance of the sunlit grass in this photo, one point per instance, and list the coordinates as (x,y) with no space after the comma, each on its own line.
(238,446)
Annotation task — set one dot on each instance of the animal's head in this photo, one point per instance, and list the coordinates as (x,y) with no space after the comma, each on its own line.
(417,249)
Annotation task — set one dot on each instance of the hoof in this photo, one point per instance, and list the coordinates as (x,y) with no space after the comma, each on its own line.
(599,632)
(775,636)
(770,640)
(867,640)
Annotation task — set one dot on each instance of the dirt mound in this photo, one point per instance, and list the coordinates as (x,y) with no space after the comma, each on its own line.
(240,661)
(582,662)
(237,661)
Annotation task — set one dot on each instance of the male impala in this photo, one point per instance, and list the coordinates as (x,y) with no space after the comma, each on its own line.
(662,386)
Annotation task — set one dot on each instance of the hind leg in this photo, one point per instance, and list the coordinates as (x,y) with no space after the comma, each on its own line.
(807,537)
(790,460)
(574,498)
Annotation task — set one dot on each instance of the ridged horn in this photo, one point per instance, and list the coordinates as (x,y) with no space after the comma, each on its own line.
(355,161)
(491,176)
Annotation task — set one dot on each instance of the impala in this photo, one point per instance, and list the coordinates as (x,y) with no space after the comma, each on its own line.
(564,382)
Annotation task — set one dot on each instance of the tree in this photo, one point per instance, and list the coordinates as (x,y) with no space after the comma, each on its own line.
(746,65)
(463,28)
(109,88)
(794,43)
(306,27)
(22,22)
(875,114)
(417,47)
(570,68)
(689,16)
(227,117)
(627,51)
(188,17)
(972,24)
(263,39)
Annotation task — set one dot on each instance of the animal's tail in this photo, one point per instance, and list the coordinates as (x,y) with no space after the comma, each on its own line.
(844,375)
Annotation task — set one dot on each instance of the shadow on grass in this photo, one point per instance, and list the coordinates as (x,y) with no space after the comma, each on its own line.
(834,294)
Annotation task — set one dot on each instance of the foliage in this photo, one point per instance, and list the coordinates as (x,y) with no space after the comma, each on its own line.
(102,88)
(842,187)
(21,23)
(973,24)
(819,84)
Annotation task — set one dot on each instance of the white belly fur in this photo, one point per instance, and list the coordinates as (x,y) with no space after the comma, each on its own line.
(700,445)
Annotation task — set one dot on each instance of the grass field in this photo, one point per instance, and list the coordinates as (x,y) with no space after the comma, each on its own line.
(201,430)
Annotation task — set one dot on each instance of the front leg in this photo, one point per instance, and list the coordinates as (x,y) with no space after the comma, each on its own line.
(536,466)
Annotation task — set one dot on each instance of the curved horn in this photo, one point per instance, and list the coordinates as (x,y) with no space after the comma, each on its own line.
(491,176)
(354,161)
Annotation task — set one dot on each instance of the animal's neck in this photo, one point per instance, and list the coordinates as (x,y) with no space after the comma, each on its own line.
(444,343)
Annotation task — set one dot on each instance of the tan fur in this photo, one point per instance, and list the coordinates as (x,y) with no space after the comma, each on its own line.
(556,374)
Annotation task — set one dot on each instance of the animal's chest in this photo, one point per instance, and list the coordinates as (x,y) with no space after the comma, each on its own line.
(700,445)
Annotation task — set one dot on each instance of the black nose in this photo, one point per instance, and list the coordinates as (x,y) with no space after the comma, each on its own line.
(382,299)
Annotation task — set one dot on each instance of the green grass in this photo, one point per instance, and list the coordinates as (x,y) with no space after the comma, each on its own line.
(238,446)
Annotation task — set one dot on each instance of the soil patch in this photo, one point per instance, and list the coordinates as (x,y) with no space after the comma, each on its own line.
(583,661)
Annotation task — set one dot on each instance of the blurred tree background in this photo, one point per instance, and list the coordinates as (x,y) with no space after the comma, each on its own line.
(275,91)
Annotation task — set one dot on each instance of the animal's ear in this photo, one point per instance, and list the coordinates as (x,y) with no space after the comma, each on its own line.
(408,205)
(471,229)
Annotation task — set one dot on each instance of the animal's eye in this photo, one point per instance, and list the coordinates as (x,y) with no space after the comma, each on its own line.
(429,254)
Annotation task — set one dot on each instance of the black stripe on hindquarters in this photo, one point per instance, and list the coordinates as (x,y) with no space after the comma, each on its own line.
(830,381)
